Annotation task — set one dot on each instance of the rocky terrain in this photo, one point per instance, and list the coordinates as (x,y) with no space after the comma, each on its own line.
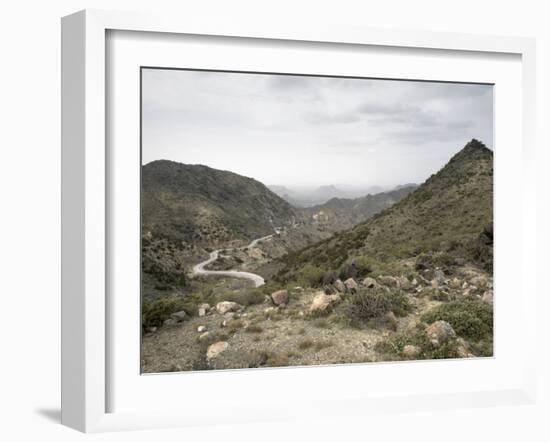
(411,281)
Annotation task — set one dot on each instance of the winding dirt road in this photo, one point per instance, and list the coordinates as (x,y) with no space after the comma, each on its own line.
(258,281)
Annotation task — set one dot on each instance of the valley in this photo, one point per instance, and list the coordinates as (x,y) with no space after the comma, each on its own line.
(235,276)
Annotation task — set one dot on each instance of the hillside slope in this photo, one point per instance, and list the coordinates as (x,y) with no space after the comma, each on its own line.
(447,213)
(343,213)
(198,204)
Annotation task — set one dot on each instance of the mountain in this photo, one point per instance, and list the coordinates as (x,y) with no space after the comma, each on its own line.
(342,213)
(448,213)
(305,197)
(198,204)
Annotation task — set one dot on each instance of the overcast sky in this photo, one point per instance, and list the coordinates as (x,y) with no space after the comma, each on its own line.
(311,131)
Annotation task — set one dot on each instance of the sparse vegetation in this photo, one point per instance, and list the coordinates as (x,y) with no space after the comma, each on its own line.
(367,305)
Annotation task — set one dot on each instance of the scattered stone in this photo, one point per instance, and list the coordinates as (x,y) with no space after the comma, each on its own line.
(370,283)
(178,316)
(411,351)
(201,312)
(204,336)
(280,297)
(216,349)
(403,283)
(414,282)
(464,285)
(488,296)
(205,306)
(455,283)
(434,283)
(227,306)
(462,349)
(351,285)
(440,332)
(340,286)
(322,302)
(201,328)
(479,281)
(389,281)
(439,276)
(169,322)
(152,329)
(231,315)
(298,289)
(270,310)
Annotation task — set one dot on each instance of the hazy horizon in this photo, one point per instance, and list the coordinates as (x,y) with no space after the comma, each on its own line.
(305,132)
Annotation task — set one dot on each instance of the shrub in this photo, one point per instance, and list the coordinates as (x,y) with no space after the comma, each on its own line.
(154,313)
(244,297)
(393,347)
(366,305)
(470,318)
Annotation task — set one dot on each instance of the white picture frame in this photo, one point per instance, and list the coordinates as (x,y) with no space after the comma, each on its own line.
(86,202)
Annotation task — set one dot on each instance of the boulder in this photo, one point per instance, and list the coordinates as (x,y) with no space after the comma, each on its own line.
(280,297)
(351,285)
(404,283)
(216,349)
(455,283)
(488,296)
(201,312)
(178,316)
(322,302)
(340,286)
(201,328)
(227,306)
(388,281)
(169,322)
(440,332)
(370,283)
(411,351)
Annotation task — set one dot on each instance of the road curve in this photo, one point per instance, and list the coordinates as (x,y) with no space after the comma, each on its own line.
(256,279)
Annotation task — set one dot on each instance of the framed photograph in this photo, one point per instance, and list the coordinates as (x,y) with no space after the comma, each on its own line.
(292,222)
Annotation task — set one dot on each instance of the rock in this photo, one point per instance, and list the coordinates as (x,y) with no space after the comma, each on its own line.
(488,296)
(403,283)
(204,336)
(298,289)
(152,329)
(203,309)
(414,282)
(280,297)
(322,302)
(479,281)
(388,281)
(270,310)
(178,316)
(440,332)
(201,328)
(227,306)
(439,276)
(216,349)
(351,285)
(170,322)
(462,349)
(464,285)
(434,283)
(411,351)
(231,315)
(455,283)
(340,286)
(370,283)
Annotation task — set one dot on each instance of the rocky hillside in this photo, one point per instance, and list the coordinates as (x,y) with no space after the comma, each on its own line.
(343,213)
(449,213)
(198,204)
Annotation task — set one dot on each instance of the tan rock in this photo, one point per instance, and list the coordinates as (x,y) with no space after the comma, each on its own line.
(351,285)
(440,332)
(370,283)
(280,297)
(488,296)
(216,349)
(178,316)
(227,306)
(411,351)
(322,302)
(340,286)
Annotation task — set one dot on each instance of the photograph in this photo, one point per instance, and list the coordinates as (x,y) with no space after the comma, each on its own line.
(303,220)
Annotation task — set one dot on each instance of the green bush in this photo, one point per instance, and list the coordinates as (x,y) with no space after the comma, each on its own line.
(366,305)
(392,347)
(154,313)
(470,318)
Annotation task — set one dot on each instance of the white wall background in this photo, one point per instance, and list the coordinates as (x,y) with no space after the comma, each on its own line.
(30,220)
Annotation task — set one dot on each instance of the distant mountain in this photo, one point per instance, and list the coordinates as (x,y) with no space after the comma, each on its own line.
(451,212)
(342,213)
(198,204)
(308,197)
